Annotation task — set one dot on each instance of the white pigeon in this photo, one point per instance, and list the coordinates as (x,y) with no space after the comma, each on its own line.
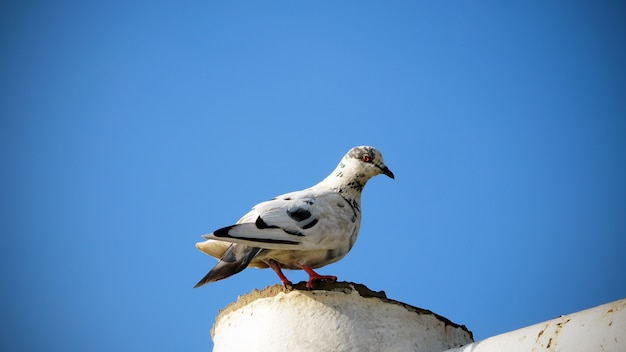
(305,229)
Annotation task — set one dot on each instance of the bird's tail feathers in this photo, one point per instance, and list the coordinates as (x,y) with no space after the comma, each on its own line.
(235,259)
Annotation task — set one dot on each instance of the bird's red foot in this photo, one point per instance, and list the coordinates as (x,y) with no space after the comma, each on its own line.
(276,267)
(313,276)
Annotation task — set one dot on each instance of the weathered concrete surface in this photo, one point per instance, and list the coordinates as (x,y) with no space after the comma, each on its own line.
(602,328)
(333,317)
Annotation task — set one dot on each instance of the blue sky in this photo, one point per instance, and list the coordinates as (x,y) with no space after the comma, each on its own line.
(129,129)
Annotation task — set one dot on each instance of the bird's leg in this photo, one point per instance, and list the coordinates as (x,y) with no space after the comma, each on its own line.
(276,267)
(313,276)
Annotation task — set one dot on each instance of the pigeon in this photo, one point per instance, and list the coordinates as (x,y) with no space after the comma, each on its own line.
(305,229)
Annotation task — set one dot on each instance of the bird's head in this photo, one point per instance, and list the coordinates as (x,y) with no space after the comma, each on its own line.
(366,162)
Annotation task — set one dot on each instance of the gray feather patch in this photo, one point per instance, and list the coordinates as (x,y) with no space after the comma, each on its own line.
(299,214)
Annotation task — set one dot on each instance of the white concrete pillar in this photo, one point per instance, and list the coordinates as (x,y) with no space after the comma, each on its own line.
(333,317)
(602,328)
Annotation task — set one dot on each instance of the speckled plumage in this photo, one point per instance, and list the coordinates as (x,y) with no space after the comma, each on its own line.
(305,229)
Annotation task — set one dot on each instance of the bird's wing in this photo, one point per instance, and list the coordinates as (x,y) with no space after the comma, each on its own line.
(294,221)
(217,248)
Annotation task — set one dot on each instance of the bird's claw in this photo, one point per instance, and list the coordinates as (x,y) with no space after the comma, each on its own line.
(324,278)
(288,285)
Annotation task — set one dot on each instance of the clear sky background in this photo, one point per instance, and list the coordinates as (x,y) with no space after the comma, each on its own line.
(131,128)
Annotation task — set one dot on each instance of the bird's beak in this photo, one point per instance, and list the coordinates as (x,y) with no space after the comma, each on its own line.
(387,172)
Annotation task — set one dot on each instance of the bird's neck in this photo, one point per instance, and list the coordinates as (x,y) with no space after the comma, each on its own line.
(348,184)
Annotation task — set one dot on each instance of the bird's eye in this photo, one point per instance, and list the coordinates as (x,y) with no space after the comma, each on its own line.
(366,158)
